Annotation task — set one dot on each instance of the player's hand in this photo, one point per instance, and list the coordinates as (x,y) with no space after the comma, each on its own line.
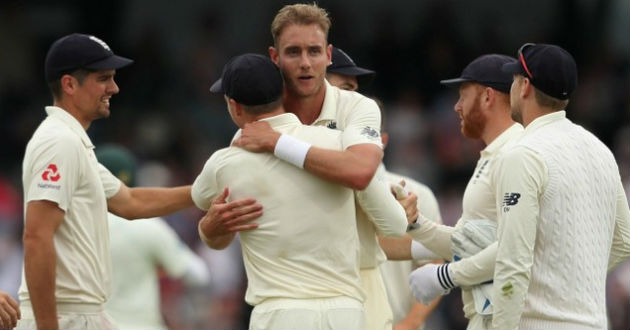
(472,237)
(9,311)
(409,201)
(227,218)
(257,136)
(430,281)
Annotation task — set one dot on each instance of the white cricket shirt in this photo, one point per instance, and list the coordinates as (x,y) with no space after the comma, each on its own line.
(60,166)
(563,222)
(478,203)
(395,273)
(139,248)
(306,245)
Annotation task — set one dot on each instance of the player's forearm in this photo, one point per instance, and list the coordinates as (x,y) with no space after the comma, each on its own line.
(39,269)
(396,248)
(155,202)
(475,269)
(346,167)
(434,237)
(419,313)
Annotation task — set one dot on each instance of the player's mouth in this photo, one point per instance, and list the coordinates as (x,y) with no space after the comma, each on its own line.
(305,78)
(105,101)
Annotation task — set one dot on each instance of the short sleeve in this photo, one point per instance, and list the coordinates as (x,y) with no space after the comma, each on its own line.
(205,187)
(111,184)
(363,124)
(54,171)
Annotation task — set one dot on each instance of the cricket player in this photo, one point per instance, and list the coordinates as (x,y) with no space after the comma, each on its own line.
(484,110)
(563,215)
(67,266)
(302,53)
(302,261)
(140,249)
(407,313)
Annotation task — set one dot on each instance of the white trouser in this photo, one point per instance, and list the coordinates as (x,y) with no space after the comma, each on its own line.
(378,312)
(316,313)
(71,317)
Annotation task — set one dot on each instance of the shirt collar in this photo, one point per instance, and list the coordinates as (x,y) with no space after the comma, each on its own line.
(502,139)
(329,108)
(545,120)
(71,122)
(282,120)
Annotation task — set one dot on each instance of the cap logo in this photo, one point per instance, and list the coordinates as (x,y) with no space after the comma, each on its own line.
(100,42)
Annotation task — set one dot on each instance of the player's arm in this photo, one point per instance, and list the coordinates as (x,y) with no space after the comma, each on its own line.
(433,236)
(382,208)
(353,167)
(418,314)
(620,249)
(9,311)
(141,203)
(521,175)
(41,222)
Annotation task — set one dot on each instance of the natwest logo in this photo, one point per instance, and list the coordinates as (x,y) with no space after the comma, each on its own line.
(51,174)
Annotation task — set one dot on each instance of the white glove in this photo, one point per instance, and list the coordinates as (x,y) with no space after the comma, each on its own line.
(430,281)
(482,296)
(472,237)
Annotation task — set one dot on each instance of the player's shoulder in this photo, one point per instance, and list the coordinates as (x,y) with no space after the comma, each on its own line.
(349,100)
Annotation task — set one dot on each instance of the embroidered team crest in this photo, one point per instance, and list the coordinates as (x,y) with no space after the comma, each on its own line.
(370,132)
(51,173)
(332,125)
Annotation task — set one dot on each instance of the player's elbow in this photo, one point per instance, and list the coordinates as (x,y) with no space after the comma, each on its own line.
(359,179)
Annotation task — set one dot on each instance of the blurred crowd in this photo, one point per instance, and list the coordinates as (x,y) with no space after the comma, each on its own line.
(166,116)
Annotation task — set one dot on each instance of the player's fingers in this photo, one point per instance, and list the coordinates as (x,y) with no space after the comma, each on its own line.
(244,218)
(5,319)
(221,199)
(248,226)
(16,307)
(402,183)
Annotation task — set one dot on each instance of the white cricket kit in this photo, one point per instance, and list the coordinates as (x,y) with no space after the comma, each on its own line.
(395,273)
(306,245)
(138,249)
(359,118)
(60,166)
(478,203)
(563,222)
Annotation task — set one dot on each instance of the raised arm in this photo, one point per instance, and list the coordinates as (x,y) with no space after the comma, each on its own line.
(43,218)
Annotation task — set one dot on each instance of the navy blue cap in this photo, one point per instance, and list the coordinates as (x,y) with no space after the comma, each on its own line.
(549,68)
(343,64)
(250,79)
(80,51)
(485,70)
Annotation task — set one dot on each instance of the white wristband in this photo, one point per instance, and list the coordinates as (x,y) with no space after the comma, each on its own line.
(291,150)
(420,252)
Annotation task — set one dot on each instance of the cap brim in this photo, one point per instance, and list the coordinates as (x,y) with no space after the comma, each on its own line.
(455,82)
(113,62)
(217,87)
(351,71)
(513,67)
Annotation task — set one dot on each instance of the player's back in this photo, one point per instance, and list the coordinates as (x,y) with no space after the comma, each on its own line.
(306,245)
(575,229)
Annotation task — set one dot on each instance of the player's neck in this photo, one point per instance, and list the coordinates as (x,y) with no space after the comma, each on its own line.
(74,112)
(278,111)
(496,126)
(306,108)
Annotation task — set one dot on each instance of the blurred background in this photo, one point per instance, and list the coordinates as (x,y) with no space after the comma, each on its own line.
(166,116)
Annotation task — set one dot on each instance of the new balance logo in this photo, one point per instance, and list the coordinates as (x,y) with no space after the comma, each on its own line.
(511,199)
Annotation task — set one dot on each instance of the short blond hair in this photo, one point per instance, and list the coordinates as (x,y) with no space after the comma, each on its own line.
(300,14)
(545,100)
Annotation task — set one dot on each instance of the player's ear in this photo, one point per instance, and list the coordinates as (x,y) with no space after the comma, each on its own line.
(68,84)
(329,53)
(273,54)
